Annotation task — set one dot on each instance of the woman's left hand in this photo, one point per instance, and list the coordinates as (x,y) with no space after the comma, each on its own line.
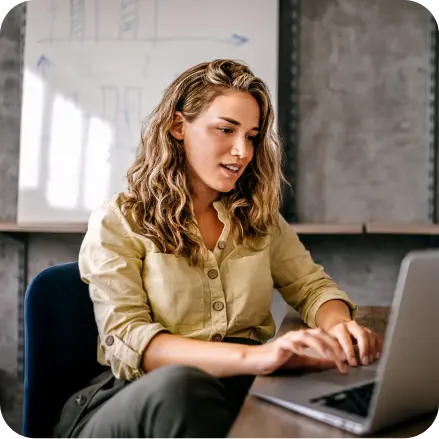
(369,343)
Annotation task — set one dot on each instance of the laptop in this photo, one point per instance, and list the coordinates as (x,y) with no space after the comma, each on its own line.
(403,384)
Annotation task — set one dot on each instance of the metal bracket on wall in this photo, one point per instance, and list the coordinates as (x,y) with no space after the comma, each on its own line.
(23,250)
(288,99)
(434,122)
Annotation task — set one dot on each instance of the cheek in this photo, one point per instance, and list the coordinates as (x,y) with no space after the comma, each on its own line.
(203,149)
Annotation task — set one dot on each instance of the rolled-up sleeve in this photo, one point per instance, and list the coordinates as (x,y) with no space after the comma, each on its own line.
(303,284)
(111,262)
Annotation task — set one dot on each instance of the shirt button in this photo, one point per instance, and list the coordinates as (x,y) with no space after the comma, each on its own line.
(218,306)
(222,245)
(213,274)
(216,337)
(109,340)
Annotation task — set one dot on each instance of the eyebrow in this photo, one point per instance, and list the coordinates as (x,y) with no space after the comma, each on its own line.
(235,122)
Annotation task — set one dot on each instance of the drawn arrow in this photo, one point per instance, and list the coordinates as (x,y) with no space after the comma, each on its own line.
(239,40)
(43,63)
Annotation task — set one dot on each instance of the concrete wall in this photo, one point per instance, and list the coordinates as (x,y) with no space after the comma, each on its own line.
(10,105)
(364,74)
(364,107)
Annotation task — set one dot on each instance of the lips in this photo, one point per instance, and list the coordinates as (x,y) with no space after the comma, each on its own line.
(231,171)
(232,168)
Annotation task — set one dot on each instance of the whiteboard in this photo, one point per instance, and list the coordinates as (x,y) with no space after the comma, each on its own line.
(93,69)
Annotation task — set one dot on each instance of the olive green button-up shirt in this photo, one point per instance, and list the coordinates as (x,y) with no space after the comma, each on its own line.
(138,292)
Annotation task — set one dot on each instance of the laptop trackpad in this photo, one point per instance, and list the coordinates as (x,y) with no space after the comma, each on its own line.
(312,385)
(333,381)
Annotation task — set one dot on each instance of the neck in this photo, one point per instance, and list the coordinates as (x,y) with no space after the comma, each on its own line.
(203,198)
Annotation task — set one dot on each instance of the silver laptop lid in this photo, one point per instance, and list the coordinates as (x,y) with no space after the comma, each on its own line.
(408,382)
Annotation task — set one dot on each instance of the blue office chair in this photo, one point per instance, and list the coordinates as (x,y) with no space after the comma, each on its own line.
(60,345)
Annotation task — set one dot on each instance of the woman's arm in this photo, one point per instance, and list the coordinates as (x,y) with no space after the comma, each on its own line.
(230,359)
(310,290)
(332,313)
(302,283)
(218,359)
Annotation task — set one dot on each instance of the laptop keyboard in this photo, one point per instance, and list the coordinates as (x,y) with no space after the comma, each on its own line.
(355,400)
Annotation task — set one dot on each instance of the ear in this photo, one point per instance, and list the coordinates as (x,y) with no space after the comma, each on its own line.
(178,126)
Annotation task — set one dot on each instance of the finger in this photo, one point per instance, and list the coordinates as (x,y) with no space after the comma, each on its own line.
(315,363)
(287,347)
(379,346)
(318,340)
(344,338)
(362,338)
(372,346)
(324,344)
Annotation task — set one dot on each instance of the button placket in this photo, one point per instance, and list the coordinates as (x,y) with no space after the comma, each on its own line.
(218,315)
(222,241)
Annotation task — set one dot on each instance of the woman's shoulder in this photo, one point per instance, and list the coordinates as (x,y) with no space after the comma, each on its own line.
(114,211)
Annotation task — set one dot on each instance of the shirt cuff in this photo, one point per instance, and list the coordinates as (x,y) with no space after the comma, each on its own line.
(129,353)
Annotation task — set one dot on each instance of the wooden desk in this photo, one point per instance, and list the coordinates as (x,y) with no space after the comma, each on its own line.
(263,419)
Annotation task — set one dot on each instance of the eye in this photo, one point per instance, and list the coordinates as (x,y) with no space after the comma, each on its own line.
(252,138)
(226,130)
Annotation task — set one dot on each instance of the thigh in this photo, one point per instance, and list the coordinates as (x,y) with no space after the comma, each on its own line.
(237,388)
(84,402)
(173,401)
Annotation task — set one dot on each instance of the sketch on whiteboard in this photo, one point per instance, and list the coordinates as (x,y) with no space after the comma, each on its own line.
(110,103)
(127,26)
(98,68)
(77,19)
(123,113)
(129,16)
(43,64)
(52,15)
(84,29)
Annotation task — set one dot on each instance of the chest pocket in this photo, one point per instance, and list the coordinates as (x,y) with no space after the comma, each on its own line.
(251,284)
(175,292)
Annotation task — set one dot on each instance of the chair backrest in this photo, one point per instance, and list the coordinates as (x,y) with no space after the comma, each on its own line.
(60,345)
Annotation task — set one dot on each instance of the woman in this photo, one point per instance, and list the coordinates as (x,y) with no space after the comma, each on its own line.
(181,270)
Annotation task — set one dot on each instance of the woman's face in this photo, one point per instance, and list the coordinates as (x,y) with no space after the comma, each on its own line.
(219,144)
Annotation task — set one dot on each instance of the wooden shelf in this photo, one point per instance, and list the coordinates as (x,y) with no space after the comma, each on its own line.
(43,228)
(301,228)
(402,229)
(328,228)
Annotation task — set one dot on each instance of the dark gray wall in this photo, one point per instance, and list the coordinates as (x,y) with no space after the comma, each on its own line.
(364,104)
(10,106)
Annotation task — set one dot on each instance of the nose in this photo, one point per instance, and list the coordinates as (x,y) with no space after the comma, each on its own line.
(242,148)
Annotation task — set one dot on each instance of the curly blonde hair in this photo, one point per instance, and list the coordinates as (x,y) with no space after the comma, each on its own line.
(159,193)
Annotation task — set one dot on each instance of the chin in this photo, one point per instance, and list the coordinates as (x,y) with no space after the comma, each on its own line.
(224,188)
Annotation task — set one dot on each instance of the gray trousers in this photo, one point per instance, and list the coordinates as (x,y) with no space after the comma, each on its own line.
(172,401)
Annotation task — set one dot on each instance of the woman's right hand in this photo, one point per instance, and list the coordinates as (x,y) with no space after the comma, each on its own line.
(291,351)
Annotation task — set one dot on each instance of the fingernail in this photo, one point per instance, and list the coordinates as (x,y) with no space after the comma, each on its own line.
(371,359)
(365,360)
(377,355)
(354,361)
